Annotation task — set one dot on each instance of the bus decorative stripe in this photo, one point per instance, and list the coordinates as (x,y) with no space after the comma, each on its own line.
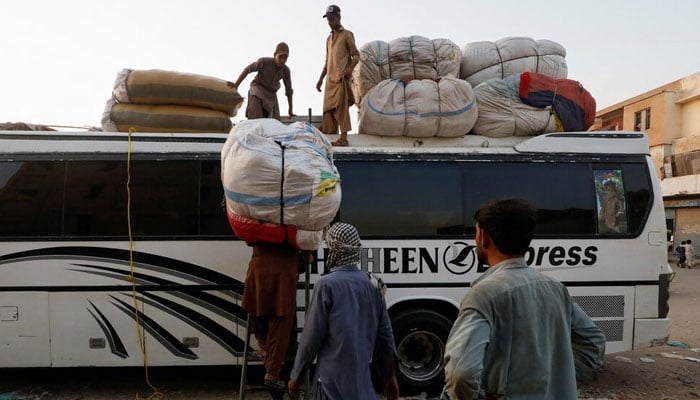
(117,256)
(115,343)
(224,337)
(157,331)
(225,308)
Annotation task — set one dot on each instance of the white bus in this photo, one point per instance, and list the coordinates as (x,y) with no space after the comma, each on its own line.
(66,301)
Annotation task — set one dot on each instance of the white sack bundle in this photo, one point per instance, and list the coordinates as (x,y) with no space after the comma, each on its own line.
(502,113)
(413,57)
(482,61)
(282,174)
(419,108)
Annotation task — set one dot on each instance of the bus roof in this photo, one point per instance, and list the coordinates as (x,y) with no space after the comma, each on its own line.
(617,142)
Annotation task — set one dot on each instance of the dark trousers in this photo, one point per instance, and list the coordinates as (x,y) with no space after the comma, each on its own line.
(273,334)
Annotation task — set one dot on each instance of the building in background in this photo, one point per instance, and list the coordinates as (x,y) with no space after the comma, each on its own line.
(670,116)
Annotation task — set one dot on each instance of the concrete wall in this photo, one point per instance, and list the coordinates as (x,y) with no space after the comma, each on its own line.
(687,144)
(690,120)
(681,185)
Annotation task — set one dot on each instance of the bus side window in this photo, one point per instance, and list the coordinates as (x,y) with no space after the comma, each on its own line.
(165,197)
(565,205)
(402,199)
(212,213)
(31,198)
(95,203)
(639,195)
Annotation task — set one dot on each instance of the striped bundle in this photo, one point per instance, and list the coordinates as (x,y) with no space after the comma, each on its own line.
(167,101)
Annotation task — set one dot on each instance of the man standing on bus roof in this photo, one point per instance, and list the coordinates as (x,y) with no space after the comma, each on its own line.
(346,326)
(262,95)
(519,334)
(341,57)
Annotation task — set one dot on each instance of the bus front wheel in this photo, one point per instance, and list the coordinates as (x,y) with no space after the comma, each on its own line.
(420,337)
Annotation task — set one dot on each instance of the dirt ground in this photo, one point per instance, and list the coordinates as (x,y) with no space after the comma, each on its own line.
(664,379)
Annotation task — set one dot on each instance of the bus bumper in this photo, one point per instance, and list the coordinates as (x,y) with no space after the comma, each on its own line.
(650,332)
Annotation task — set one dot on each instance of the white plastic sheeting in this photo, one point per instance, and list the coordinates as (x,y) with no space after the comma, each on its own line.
(413,57)
(282,174)
(482,61)
(502,113)
(419,108)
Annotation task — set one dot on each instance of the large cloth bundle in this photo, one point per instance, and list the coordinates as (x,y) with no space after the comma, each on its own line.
(419,108)
(280,182)
(168,87)
(573,104)
(163,118)
(502,112)
(413,57)
(482,61)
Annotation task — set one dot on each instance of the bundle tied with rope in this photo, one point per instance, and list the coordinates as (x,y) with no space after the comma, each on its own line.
(412,57)
(410,87)
(280,183)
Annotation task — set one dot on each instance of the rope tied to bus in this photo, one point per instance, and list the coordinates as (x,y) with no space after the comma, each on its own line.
(155,395)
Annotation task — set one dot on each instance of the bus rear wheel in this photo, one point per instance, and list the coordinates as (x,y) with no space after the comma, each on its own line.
(420,337)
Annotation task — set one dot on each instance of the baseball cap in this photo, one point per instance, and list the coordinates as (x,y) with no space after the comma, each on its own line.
(282,48)
(332,9)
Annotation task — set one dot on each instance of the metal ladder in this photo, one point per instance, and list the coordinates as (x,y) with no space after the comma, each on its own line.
(244,368)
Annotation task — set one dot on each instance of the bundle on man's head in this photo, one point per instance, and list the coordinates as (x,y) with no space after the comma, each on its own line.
(344,245)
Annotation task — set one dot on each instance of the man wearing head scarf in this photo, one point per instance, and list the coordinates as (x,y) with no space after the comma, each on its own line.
(262,96)
(346,325)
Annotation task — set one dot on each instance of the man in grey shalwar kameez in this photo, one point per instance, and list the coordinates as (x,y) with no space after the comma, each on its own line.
(346,318)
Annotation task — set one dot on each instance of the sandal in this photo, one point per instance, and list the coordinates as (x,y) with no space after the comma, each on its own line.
(340,143)
(277,384)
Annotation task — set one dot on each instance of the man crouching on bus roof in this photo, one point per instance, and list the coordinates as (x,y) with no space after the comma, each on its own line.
(519,334)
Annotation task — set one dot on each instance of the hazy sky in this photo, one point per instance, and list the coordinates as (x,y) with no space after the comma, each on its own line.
(60,58)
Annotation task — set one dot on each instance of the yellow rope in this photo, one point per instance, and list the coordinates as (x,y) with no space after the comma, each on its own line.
(139,330)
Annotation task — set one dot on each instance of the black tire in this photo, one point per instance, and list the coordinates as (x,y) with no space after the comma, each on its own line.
(420,336)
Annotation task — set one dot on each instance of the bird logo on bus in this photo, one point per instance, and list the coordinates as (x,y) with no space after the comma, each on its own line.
(460,257)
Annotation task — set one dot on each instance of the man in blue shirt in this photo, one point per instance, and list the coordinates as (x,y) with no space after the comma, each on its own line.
(519,334)
(347,324)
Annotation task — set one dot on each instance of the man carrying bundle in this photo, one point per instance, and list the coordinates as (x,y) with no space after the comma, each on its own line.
(269,298)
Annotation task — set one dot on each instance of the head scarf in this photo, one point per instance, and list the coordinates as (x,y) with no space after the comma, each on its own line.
(344,245)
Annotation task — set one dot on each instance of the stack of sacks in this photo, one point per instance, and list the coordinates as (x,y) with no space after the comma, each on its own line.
(529,104)
(413,57)
(419,108)
(482,61)
(280,182)
(166,101)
